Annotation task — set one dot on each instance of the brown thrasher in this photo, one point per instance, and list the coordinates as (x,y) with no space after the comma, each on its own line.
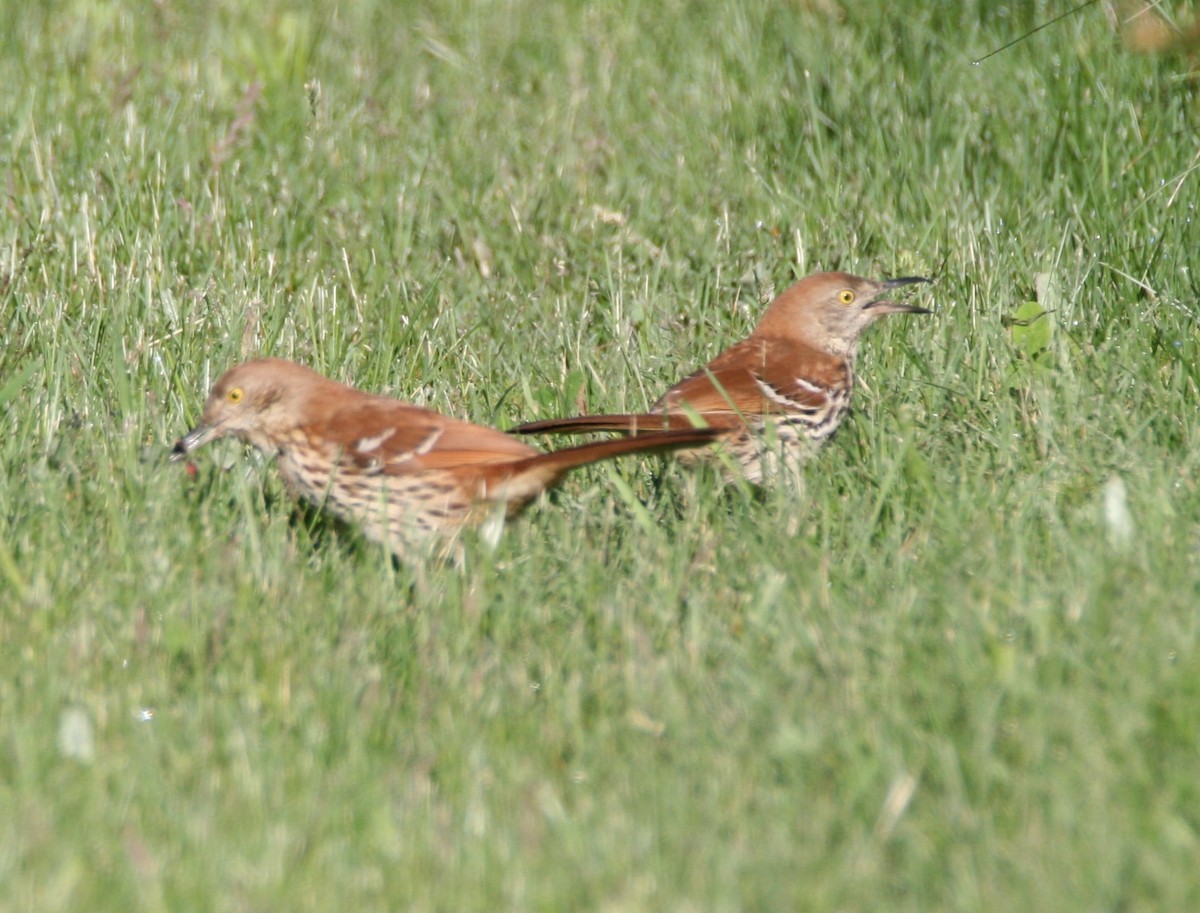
(405,474)
(781,391)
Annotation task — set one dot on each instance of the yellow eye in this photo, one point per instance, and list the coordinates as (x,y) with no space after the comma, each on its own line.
(235,395)
(845,296)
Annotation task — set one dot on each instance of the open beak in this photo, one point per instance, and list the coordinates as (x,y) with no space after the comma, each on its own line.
(197,437)
(897,307)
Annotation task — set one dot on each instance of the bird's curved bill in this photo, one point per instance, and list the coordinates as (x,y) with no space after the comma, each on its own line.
(884,306)
(904,280)
(197,437)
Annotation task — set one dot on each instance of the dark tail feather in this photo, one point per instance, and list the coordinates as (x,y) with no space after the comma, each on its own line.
(570,457)
(629,423)
(523,479)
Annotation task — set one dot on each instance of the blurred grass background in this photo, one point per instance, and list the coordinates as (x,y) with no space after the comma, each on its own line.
(961,674)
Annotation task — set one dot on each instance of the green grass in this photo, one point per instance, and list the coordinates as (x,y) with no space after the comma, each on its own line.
(941,681)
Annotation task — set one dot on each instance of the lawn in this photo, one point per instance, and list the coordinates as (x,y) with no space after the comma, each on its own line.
(959,673)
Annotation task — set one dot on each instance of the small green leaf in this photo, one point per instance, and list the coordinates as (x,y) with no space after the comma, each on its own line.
(1032,328)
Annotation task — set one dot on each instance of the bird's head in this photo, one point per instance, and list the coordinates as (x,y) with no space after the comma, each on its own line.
(256,401)
(829,311)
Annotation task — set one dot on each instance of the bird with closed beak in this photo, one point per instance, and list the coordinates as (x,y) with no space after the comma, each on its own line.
(406,475)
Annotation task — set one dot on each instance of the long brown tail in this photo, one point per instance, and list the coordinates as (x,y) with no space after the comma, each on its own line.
(628,423)
(523,479)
